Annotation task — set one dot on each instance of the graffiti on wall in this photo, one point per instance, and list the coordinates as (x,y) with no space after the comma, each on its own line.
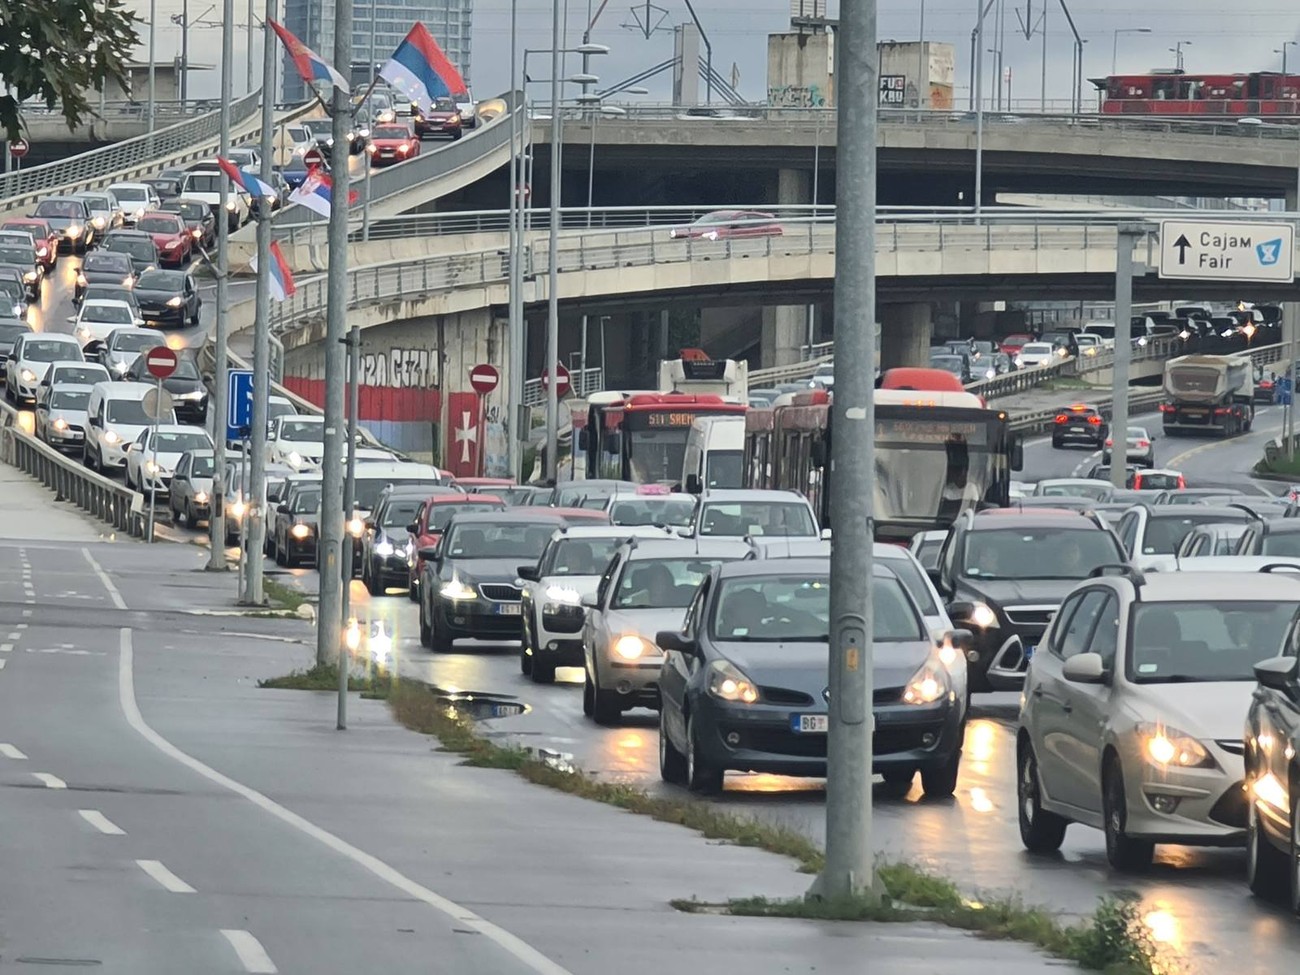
(796,96)
(496,460)
(400,368)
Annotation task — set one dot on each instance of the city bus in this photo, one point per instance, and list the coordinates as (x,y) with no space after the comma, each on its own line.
(938,453)
(642,437)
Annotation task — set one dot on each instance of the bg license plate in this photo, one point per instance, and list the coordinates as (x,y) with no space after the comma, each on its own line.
(810,724)
(509,609)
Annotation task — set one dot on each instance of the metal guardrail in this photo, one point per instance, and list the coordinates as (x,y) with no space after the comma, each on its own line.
(583,382)
(102,498)
(1038,420)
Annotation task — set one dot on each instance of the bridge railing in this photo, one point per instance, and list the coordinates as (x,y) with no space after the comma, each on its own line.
(102,498)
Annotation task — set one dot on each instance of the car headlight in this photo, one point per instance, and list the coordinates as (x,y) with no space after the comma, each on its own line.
(60,423)
(1163,746)
(81,280)
(928,684)
(727,683)
(1020,362)
(981,616)
(355,527)
(119,367)
(710,235)
(18,310)
(74,230)
(632,647)
(112,436)
(150,467)
(27,376)
(175,302)
(563,594)
(384,548)
(300,530)
(990,374)
(196,233)
(294,459)
(231,204)
(83,331)
(458,590)
(128,281)
(98,223)
(30,277)
(200,497)
(236,509)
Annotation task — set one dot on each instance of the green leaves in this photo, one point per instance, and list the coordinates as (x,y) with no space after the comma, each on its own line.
(60,51)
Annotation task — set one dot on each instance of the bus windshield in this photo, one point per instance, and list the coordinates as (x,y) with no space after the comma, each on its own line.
(657,455)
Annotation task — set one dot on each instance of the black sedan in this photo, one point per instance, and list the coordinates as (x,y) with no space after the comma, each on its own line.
(10,329)
(103,267)
(1272,773)
(198,218)
(189,395)
(168,298)
(135,244)
(746,685)
(468,589)
(24,259)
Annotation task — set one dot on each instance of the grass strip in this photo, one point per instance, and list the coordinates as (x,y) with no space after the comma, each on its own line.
(325,677)
(282,596)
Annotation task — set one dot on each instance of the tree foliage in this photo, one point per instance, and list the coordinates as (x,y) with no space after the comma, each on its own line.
(59,51)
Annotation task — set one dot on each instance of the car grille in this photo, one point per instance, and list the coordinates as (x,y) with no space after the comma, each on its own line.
(1030,615)
(889,741)
(501,592)
(1232,746)
(783,695)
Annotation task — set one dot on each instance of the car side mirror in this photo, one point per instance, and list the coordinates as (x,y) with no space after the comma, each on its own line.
(1085,668)
(284,510)
(429,553)
(673,640)
(960,610)
(370,525)
(529,573)
(413,528)
(590,602)
(962,640)
(693,484)
(1279,674)
(825,535)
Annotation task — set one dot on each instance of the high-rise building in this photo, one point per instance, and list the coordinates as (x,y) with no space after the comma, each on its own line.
(387,21)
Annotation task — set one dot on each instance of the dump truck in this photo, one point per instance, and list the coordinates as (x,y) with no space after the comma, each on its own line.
(1208,395)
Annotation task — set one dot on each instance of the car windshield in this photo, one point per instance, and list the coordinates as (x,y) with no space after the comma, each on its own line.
(301,431)
(580,556)
(96,202)
(203,183)
(1036,348)
(586,495)
(132,342)
(204,466)
(140,249)
(915,582)
(107,261)
(440,514)
(161,281)
(11,287)
(70,399)
(779,518)
(192,211)
(1283,543)
(949,363)
(319,127)
(1160,482)
(661,583)
(1203,641)
(1099,491)
(444,105)
(391,132)
(185,369)
(15,255)
(11,330)
(307,499)
(59,208)
(274,409)
(652,511)
(108,314)
(128,411)
(49,350)
(400,513)
(927,553)
(1164,535)
(133,194)
(158,225)
(724,469)
(482,540)
(797,609)
(178,443)
(1037,553)
(80,374)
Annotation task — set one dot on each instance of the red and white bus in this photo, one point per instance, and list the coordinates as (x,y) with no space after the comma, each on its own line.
(641,437)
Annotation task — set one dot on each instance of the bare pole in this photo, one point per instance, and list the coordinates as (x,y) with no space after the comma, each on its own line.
(374,79)
(153,59)
(329,645)
(553,277)
(217,518)
(255,486)
(922,75)
(980,10)
(850,867)
(1294,329)
(1125,238)
(252,23)
(1042,94)
(353,346)
(517,360)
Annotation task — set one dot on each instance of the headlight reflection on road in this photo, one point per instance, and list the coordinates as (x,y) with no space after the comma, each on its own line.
(981,742)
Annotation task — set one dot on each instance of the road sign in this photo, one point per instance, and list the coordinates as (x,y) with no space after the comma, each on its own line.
(484,378)
(161,362)
(239,402)
(19,148)
(157,405)
(1209,250)
(563,385)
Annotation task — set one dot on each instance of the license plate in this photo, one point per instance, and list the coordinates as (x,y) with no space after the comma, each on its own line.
(509,609)
(810,724)
(506,710)
(1195,412)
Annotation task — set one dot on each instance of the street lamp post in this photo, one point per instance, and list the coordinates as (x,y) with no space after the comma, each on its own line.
(1282,51)
(1177,52)
(1114,46)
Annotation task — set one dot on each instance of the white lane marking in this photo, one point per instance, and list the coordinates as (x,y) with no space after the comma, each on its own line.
(26,612)
(9,751)
(13,636)
(166,879)
(6,648)
(251,953)
(519,949)
(49,781)
(101,822)
(20,626)
(113,594)
(2,663)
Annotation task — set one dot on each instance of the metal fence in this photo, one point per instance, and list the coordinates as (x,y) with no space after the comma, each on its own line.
(583,382)
(101,497)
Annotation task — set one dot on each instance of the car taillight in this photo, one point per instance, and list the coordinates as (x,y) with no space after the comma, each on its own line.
(1094,420)
(1222,411)
(1144,443)
(1061,418)
(1181,482)
(1137,481)
(1110,442)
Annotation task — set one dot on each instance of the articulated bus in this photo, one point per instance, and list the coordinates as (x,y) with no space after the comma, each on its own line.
(938,453)
(642,437)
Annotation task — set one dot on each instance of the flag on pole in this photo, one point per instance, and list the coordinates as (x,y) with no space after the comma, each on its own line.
(420,71)
(281,277)
(316,192)
(315,70)
(247,180)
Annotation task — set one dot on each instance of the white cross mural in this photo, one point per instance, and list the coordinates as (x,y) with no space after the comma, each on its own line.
(466,434)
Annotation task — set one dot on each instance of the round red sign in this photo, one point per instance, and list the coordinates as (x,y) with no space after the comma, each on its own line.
(19,148)
(562,385)
(161,362)
(484,378)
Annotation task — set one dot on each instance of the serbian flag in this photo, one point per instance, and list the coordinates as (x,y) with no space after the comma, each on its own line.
(315,70)
(316,192)
(247,180)
(281,278)
(420,71)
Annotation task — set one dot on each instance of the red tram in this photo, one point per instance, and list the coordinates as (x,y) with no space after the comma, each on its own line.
(1259,94)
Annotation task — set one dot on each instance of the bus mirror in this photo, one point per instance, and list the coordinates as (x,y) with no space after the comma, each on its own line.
(614,444)
(1017,453)
(693,484)
(582,439)
(817,453)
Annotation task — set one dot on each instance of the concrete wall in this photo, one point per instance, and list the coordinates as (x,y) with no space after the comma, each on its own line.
(801,70)
(926,69)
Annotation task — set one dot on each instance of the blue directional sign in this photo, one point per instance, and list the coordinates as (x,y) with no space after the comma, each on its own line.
(239,402)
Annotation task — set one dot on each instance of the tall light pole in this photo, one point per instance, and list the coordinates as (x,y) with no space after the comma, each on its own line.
(1282,51)
(217,518)
(922,75)
(1177,52)
(981,9)
(515,347)
(1114,46)
(153,59)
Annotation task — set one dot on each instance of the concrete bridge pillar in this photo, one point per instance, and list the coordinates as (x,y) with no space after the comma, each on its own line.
(784,328)
(793,187)
(905,334)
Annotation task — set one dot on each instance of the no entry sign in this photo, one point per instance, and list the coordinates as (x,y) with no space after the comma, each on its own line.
(161,362)
(484,378)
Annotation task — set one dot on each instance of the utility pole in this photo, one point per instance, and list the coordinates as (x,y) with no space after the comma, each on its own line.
(1126,237)
(922,81)
(980,11)
(255,487)
(370,80)
(353,346)
(153,59)
(850,867)
(248,80)
(517,361)
(553,277)
(220,382)
(329,646)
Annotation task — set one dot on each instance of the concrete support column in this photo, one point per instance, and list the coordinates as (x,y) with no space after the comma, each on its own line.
(793,187)
(905,334)
(783,334)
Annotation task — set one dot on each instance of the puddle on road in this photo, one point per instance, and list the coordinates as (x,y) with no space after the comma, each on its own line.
(481,706)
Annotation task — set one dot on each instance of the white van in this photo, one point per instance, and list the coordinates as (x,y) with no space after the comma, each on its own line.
(715,454)
(1105,331)
(115,417)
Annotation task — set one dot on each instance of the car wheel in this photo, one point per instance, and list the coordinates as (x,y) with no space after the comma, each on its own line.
(368,578)
(412,591)
(543,671)
(1057,444)
(672,763)
(441,642)
(898,782)
(589,694)
(1123,851)
(701,777)
(281,558)
(1040,831)
(525,660)
(940,781)
(606,708)
(1294,853)
(190,520)
(426,634)
(1267,870)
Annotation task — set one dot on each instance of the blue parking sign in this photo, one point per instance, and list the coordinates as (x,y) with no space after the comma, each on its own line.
(239,402)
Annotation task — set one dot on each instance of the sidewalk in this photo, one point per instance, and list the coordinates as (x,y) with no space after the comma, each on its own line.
(31,513)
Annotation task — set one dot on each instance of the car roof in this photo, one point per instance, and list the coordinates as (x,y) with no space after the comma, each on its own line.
(175,427)
(1235,563)
(74,388)
(510,516)
(704,548)
(1282,526)
(1161,470)
(1200,511)
(202,452)
(750,494)
(128,186)
(120,390)
(129,330)
(53,337)
(1011,518)
(1210,586)
(782,567)
(399,468)
(449,495)
(406,491)
(611,531)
